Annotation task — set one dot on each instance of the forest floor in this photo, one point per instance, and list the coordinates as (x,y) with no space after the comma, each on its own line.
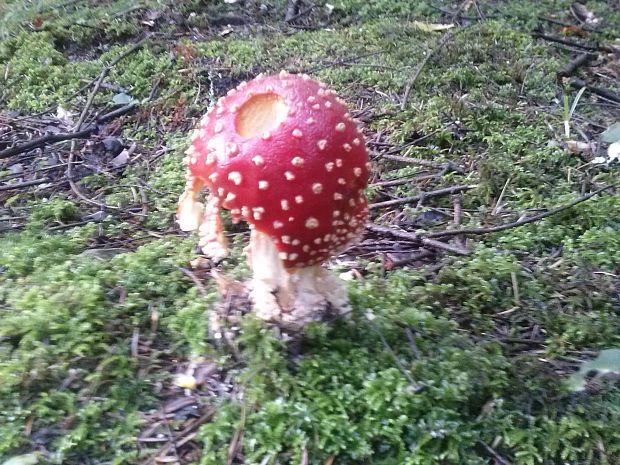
(456,353)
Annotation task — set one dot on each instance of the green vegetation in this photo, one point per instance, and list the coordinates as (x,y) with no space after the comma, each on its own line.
(448,363)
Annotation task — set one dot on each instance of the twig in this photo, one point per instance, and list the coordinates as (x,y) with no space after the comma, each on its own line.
(456,218)
(190,274)
(521,222)
(41,141)
(412,343)
(459,15)
(418,161)
(233,447)
(444,39)
(172,443)
(574,64)
(291,10)
(36,182)
(63,136)
(423,253)
(501,460)
(564,23)
(417,198)
(401,181)
(343,61)
(389,349)
(515,288)
(237,439)
(416,238)
(579,83)
(116,113)
(104,72)
(301,13)
(558,40)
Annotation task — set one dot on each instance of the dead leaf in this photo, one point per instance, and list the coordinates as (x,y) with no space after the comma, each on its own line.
(16,168)
(37,22)
(226,31)
(582,13)
(122,99)
(185,381)
(575,146)
(64,115)
(431,27)
(611,134)
(201,263)
(613,152)
(573,31)
(121,159)
(26,459)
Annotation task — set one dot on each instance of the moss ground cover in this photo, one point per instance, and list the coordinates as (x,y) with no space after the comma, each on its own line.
(458,360)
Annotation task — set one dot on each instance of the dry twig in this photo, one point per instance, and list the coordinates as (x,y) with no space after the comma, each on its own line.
(63,136)
(424,195)
(414,77)
(606,94)
(574,64)
(448,166)
(558,40)
(413,237)
(521,222)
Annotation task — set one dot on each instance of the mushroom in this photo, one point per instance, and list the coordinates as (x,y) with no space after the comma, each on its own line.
(283,153)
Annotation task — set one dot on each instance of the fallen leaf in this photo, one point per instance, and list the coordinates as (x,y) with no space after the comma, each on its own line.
(575,146)
(121,159)
(103,254)
(16,168)
(201,263)
(348,275)
(185,381)
(613,152)
(572,31)
(607,362)
(611,134)
(37,22)
(153,15)
(122,99)
(582,13)
(26,459)
(64,115)
(226,31)
(430,27)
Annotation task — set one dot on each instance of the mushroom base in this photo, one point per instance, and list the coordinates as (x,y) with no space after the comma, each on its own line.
(291,298)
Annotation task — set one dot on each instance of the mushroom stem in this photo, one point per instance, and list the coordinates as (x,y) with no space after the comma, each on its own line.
(291,297)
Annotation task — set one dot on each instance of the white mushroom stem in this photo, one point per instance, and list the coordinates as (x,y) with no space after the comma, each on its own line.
(291,298)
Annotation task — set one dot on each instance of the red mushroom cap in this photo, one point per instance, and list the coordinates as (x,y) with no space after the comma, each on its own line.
(283,153)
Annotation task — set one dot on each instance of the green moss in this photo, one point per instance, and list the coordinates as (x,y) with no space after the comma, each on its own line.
(37,74)
(358,391)
(74,319)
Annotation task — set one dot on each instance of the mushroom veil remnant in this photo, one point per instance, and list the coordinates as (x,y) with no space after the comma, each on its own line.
(282,153)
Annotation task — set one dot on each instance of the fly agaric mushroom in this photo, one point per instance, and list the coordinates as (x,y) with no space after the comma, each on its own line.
(283,153)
